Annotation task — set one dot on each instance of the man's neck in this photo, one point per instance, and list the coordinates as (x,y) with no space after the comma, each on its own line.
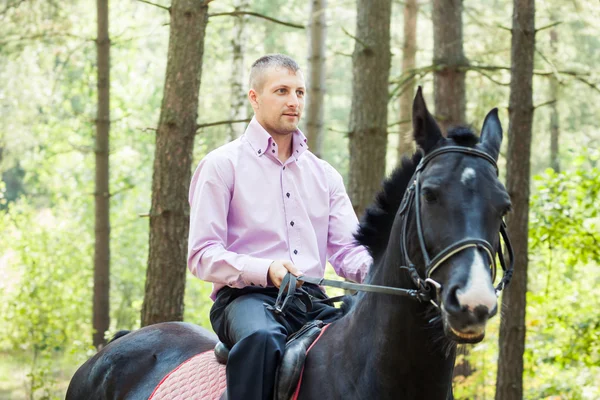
(284,146)
(284,142)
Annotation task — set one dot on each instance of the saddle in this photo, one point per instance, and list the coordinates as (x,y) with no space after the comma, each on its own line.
(291,364)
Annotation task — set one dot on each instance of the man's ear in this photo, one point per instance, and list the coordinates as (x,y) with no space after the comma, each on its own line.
(253,97)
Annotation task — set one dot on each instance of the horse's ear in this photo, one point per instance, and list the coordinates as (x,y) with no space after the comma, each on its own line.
(491,134)
(425,130)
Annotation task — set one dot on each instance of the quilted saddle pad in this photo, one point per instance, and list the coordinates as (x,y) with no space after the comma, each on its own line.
(199,378)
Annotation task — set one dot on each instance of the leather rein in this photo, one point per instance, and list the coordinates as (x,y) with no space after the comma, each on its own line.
(427,290)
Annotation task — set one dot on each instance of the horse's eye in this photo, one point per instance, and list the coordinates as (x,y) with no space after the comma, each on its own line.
(429,196)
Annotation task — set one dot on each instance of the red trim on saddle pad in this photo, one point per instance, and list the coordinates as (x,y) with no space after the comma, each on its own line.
(297,392)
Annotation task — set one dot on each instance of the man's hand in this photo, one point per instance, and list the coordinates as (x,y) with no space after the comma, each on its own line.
(279,268)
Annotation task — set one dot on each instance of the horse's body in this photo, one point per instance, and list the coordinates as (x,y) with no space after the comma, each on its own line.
(384,347)
(132,366)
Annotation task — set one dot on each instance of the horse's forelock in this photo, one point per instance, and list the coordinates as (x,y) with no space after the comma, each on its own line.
(463,136)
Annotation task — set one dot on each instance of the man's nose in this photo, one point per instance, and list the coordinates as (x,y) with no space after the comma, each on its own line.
(293,101)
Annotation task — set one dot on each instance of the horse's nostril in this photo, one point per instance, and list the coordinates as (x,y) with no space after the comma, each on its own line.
(452,303)
(481,313)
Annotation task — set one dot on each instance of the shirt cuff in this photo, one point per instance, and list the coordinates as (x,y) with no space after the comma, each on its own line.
(255,272)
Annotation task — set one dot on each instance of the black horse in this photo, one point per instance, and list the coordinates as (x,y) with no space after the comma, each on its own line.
(447,202)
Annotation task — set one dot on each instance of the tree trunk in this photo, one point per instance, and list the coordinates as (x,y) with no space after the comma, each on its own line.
(368,118)
(101,306)
(554,94)
(409,52)
(317,33)
(509,382)
(449,81)
(169,215)
(238,83)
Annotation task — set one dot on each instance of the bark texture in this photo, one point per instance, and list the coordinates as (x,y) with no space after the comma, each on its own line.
(238,76)
(449,80)
(509,381)
(315,108)
(406,144)
(368,118)
(101,302)
(169,215)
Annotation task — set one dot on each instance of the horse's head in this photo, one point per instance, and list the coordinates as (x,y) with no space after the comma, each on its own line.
(454,218)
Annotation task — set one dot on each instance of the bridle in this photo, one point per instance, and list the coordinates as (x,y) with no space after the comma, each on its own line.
(427,289)
(425,286)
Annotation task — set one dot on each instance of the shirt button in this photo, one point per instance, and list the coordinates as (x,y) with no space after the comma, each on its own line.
(287,194)
(259,151)
(295,251)
(273,151)
(292,223)
(284,167)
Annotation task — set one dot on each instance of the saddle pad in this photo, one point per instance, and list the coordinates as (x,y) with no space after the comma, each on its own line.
(199,378)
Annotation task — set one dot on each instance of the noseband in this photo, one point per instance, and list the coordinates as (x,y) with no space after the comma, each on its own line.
(426,286)
(426,289)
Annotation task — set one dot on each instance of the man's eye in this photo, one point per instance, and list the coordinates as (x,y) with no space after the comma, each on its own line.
(281,91)
(300,93)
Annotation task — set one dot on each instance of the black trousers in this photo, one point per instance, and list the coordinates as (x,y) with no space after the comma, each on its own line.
(256,336)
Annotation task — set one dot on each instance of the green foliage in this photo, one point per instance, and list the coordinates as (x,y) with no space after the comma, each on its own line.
(45,309)
(564,211)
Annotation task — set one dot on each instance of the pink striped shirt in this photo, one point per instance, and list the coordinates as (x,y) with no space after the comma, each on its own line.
(248,209)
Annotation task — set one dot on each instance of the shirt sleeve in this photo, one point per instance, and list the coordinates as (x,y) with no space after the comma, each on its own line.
(208,257)
(349,259)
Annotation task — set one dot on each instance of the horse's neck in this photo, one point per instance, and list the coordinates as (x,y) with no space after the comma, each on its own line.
(390,337)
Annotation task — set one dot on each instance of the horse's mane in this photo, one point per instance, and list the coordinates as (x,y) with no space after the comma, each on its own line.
(376,224)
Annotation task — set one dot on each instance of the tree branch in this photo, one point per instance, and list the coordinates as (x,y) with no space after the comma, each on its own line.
(44,35)
(156,5)
(550,63)
(254,14)
(338,131)
(233,121)
(404,121)
(492,79)
(355,38)
(546,103)
(548,26)
(129,186)
(590,84)
(342,54)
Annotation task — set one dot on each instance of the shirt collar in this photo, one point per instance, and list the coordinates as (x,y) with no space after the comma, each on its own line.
(261,141)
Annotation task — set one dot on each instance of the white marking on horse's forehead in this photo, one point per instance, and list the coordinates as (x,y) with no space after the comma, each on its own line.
(468,174)
(479,290)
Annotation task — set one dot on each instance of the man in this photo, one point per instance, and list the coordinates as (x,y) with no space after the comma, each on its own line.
(262,206)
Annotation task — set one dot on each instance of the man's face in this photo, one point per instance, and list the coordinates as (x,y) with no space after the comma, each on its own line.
(279,104)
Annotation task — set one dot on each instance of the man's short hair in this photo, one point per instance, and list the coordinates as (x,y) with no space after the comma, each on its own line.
(257,79)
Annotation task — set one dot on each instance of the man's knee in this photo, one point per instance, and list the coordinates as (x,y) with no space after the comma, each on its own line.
(268,336)
(265,341)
